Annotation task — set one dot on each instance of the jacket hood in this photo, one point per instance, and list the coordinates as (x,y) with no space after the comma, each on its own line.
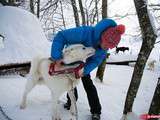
(100,27)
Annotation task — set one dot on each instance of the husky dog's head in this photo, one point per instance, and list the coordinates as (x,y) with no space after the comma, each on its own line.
(77,52)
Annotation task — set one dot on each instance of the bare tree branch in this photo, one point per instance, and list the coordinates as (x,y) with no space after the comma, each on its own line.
(75,11)
(153,5)
(117,16)
(49,4)
(62,14)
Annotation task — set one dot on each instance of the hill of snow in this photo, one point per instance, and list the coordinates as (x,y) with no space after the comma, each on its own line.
(24,37)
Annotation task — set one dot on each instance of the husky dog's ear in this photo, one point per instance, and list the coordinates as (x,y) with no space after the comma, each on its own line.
(1,41)
(1,37)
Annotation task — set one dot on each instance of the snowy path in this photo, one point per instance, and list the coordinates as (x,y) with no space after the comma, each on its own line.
(112,95)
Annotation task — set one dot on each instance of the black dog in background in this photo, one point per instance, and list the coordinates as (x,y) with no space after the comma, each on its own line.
(123,49)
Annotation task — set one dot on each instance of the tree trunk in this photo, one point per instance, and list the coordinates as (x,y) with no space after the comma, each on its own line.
(101,68)
(3,2)
(75,11)
(155,104)
(96,7)
(87,17)
(82,12)
(32,6)
(38,8)
(147,45)
(64,24)
(96,14)
(104,9)
(8,2)
(11,2)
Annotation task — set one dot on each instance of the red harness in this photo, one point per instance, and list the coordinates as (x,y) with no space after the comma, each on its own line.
(65,71)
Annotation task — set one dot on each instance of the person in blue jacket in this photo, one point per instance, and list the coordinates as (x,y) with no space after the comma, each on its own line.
(105,35)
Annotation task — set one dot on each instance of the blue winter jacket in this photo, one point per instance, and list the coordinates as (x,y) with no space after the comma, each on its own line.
(88,36)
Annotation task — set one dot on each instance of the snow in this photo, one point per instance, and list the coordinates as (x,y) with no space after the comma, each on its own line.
(24,37)
(112,95)
(121,57)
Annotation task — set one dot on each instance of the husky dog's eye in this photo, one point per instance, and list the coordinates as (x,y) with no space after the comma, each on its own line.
(83,48)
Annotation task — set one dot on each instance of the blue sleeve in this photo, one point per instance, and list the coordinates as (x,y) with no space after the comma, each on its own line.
(94,61)
(75,35)
(66,37)
(57,46)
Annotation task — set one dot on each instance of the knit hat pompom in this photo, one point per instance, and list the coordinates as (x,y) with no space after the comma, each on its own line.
(120,28)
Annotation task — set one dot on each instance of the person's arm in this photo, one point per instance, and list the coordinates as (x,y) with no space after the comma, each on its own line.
(57,46)
(66,37)
(94,61)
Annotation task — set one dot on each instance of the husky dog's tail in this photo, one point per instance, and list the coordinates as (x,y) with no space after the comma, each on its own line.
(35,65)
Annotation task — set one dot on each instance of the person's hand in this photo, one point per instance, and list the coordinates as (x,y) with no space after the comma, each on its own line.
(80,73)
(58,64)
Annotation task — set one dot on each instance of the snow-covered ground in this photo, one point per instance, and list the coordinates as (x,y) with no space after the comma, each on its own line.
(19,46)
(112,95)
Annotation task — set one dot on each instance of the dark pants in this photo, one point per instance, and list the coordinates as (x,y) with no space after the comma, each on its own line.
(91,95)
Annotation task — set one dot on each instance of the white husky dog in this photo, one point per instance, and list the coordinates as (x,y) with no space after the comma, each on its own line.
(57,84)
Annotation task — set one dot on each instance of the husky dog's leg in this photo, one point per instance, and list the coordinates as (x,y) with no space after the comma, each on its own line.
(29,86)
(73,109)
(55,106)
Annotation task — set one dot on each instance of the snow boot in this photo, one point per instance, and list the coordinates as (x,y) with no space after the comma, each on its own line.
(96,117)
(67,106)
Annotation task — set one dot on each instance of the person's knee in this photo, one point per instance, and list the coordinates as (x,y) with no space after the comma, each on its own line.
(86,77)
(86,80)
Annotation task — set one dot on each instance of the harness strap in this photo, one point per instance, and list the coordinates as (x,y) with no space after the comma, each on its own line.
(76,70)
(65,71)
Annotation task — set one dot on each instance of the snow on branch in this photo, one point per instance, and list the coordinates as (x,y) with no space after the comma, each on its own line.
(117,16)
(153,18)
(155,6)
(49,4)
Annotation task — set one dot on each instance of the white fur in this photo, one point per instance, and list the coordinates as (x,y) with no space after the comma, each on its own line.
(57,84)
(151,65)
